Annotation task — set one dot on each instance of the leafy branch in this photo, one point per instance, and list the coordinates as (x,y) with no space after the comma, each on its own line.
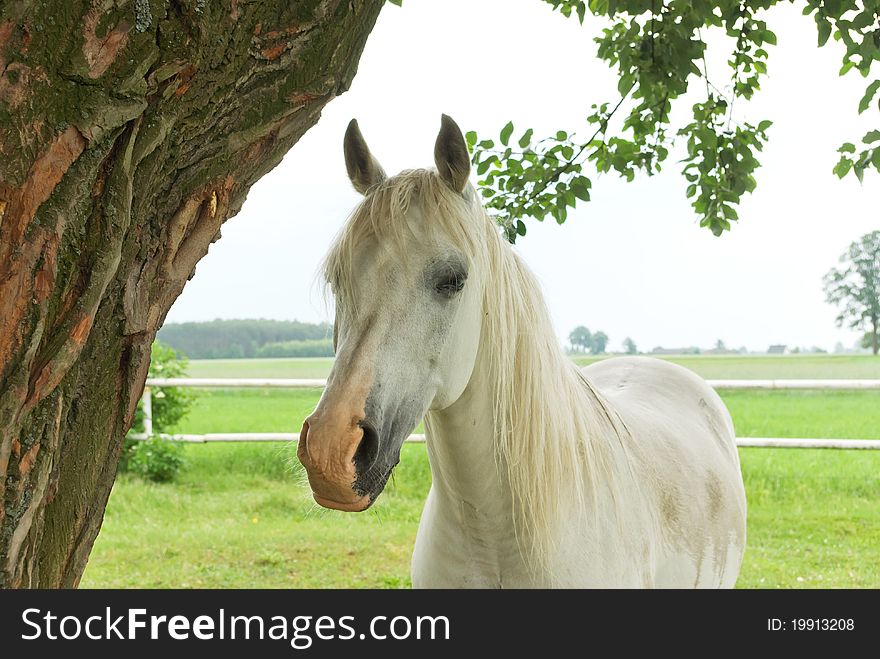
(657,51)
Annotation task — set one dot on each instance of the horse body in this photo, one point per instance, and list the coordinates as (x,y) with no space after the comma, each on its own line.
(679,521)
(688,461)
(624,474)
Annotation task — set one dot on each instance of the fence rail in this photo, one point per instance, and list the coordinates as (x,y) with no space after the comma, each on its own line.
(315,383)
(293,383)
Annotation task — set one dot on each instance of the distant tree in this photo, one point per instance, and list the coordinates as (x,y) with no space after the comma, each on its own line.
(600,341)
(838,347)
(581,339)
(855,287)
(866,341)
(719,345)
(630,346)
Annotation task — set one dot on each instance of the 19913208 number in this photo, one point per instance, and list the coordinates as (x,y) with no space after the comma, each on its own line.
(822,624)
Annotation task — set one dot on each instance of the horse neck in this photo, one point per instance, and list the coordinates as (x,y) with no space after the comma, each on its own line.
(461,445)
(462,439)
(523,471)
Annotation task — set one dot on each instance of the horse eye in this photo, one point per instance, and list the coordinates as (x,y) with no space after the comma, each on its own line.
(451,284)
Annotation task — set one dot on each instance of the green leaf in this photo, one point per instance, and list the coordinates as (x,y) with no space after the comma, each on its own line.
(506,133)
(471,138)
(869,96)
(561,135)
(871,136)
(764,125)
(863,19)
(580,187)
(560,213)
(520,228)
(847,147)
(842,167)
(824,30)
(526,139)
(399,3)
(599,7)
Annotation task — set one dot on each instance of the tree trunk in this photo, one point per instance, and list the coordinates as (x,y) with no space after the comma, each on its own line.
(130,130)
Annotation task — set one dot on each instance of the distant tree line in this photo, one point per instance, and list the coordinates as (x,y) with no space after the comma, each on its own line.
(232,339)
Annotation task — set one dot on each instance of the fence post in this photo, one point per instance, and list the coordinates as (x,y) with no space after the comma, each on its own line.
(147,407)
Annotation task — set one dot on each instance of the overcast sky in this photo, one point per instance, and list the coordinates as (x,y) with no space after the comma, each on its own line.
(632,262)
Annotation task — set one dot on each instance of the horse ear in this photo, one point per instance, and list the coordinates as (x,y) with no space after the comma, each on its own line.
(364,170)
(451,155)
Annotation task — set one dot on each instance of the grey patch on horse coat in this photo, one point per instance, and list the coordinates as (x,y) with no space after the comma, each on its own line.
(670,506)
(714,494)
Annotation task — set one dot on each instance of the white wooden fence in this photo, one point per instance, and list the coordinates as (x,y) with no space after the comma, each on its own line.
(287,383)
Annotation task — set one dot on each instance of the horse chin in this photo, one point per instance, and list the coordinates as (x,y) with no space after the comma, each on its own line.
(355,506)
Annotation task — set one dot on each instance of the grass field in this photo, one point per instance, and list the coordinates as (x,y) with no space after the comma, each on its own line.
(842,414)
(316,367)
(242,515)
(733,367)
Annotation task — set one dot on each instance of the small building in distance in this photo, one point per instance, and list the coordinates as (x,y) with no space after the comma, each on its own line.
(778,350)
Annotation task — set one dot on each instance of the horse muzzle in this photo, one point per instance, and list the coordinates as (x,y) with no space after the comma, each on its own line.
(335,453)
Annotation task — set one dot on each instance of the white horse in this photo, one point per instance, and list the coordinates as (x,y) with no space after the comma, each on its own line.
(624,474)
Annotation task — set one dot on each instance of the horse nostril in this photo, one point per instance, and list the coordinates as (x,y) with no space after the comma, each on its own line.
(368,450)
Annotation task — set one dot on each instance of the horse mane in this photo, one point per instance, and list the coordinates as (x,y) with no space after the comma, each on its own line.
(551,426)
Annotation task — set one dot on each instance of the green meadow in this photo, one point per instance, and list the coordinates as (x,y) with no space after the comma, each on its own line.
(240,515)
(729,367)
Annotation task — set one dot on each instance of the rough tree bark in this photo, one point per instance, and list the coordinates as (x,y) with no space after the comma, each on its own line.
(129,131)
